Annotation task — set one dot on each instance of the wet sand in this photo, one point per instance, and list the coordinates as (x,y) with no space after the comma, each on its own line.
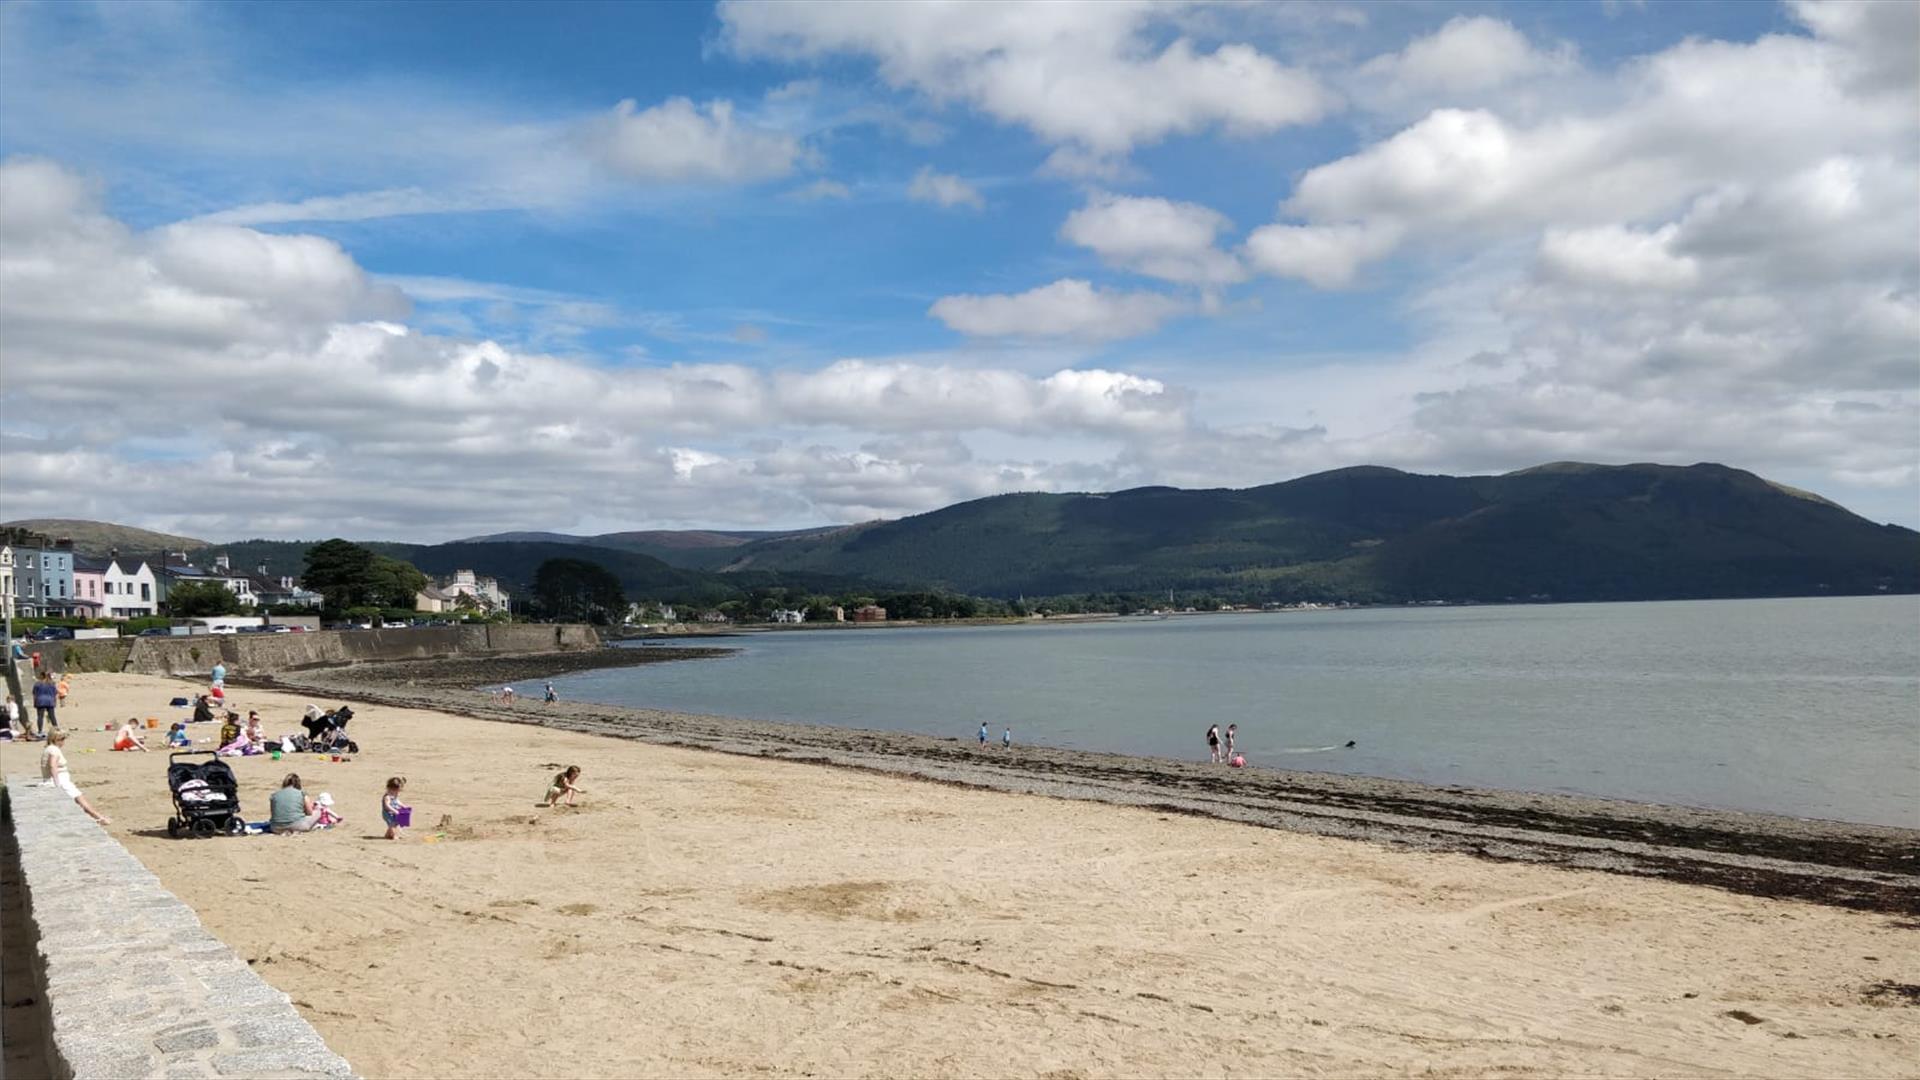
(1865,866)
(720,914)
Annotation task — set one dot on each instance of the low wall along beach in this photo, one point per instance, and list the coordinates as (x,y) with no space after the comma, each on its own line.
(252,654)
(127,980)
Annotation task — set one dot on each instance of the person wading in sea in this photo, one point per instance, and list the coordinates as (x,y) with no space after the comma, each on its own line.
(1213,743)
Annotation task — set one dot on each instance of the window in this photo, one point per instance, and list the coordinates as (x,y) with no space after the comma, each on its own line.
(146,591)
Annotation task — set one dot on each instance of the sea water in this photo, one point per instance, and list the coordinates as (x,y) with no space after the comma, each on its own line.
(1808,707)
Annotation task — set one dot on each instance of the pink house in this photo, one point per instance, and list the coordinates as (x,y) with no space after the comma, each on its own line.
(89,586)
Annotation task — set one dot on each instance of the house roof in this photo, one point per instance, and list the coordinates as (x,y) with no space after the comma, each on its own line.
(84,565)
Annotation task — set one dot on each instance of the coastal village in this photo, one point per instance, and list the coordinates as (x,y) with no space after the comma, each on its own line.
(44,577)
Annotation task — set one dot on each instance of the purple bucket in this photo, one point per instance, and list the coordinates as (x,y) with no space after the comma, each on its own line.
(403,817)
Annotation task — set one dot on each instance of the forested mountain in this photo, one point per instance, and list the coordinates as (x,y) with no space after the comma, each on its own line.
(1565,531)
(1368,534)
(701,549)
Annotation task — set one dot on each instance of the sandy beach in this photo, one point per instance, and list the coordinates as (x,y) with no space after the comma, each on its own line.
(714,914)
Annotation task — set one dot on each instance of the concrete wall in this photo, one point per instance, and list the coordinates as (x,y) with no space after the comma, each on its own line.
(261,653)
(136,986)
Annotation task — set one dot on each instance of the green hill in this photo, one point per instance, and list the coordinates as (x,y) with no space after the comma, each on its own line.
(98,538)
(696,549)
(1565,531)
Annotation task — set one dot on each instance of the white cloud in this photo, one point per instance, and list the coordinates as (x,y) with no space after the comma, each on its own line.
(1068,308)
(1468,54)
(678,141)
(1613,255)
(944,190)
(918,398)
(294,379)
(1699,116)
(1879,35)
(1173,241)
(1090,74)
(1328,256)
(358,206)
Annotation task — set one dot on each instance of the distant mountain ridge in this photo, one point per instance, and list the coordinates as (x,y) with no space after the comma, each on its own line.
(1566,531)
(692,548)
(1560,531)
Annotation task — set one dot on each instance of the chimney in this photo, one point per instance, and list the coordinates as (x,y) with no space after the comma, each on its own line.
(262,569)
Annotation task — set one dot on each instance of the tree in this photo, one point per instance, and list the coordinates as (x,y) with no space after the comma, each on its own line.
(191,599)
(395,583)
(342,572)
(575,590)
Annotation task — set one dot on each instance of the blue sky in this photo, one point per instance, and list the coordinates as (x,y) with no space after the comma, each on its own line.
(585,266)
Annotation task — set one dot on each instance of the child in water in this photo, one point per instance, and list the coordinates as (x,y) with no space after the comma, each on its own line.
(565,783)
(390,806)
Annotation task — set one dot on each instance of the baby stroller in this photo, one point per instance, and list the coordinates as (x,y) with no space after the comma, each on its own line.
(327,732)
(206,798)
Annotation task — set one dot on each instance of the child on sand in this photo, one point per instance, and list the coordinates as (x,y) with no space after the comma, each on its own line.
(177,735)
(62,688)
(390,806)
(129,737)
(53,768)
(564,783)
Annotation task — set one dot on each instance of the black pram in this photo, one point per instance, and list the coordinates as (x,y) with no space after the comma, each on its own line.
(206,798)
(327,733)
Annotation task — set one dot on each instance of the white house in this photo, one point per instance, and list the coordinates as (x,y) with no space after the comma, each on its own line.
(131,590)
(485,591)
(782,615)
(6,579)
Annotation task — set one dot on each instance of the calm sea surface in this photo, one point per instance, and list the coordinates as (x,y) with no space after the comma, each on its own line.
(1807,707)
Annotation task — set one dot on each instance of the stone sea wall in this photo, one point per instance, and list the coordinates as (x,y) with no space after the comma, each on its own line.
(252,654)
(135,985)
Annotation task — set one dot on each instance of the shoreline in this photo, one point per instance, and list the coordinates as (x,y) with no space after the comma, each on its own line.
(771,917)
(1843,864)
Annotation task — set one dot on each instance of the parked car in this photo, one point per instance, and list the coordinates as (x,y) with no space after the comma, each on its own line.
(52,633)
(155,631)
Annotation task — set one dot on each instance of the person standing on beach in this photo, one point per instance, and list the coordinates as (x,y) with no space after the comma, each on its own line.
(46,698)
(1006,739)
(983,733)
(219,673)
(61,689)
(390,806)
(13,719)
(1213,743)
(1232,731)
(551,696)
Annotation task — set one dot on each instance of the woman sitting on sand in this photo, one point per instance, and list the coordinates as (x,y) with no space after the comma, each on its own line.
(292,810)
(129,737)
(53,768)
(564,783)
